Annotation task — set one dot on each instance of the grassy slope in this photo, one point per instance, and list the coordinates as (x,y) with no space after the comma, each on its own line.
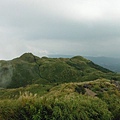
(100,99)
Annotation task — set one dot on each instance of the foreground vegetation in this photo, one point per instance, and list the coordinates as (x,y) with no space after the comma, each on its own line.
(93,100)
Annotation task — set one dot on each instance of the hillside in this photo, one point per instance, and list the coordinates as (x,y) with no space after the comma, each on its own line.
(110,63)
(30,69)
(57,89)
(92,100)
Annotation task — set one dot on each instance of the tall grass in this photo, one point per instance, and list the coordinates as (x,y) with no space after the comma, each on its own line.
(74,107)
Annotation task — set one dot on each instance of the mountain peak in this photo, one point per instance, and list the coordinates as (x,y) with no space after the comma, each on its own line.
(80,58)
(29,57)
(26,54)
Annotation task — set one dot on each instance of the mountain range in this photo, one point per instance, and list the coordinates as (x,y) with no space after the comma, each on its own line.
(29,69)
(110,63)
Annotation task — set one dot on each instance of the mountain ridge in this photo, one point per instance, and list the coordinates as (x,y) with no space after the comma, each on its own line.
(28,69)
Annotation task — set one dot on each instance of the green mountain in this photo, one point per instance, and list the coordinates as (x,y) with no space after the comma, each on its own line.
(30,69)
(110,63)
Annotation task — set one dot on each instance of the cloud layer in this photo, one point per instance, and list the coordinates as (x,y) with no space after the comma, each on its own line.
(59,27)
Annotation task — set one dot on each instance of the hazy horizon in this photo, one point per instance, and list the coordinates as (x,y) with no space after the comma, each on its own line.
(59,27)
(65,56)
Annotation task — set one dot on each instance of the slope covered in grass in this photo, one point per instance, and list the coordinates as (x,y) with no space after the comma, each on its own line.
(71,101)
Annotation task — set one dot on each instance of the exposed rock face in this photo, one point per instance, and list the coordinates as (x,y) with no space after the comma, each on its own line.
(90,92)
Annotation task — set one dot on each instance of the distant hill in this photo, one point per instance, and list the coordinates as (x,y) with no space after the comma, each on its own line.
(60,56)
(107,62)
(30,69)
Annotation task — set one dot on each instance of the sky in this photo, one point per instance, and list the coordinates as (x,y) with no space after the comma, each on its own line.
(59,27)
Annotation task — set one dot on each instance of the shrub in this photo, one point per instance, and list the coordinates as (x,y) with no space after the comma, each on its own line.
(80,89)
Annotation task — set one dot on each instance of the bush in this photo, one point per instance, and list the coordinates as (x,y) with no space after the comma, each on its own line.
(80,89)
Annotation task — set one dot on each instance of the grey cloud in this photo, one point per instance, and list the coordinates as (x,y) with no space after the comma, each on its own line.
(62,27)
(72,31)
(42,23)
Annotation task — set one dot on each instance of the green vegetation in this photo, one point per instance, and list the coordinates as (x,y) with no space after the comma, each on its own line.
(29,69)
(71,101)
(34,88)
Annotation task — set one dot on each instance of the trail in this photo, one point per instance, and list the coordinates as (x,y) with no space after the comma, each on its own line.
(38,66)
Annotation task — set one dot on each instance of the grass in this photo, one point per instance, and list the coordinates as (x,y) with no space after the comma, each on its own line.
(40,89)
(62,102)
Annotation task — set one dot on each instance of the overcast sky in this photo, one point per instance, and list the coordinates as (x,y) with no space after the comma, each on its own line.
(68,27)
